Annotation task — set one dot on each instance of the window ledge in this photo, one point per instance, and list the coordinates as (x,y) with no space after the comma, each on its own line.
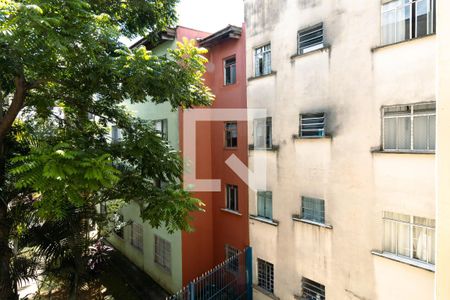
(325,48)
(405,260)
(230,148)
(299,219)
(402,152)
(263,291)
(264,220)
(298,137)
(231,211)
(262,76)
(274,148)
(374,49)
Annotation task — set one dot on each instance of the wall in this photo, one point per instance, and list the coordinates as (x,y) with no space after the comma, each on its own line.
(350,81)
(443,152)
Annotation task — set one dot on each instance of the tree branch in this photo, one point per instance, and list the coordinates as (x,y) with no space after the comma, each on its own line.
(17,103)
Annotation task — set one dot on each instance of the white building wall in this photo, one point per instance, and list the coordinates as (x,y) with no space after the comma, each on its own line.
(350,81)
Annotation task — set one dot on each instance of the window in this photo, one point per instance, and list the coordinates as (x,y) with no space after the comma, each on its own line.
(263,133)
(232,197)
(137,236)
(313,210)
(231,134)
(232,254)
(312,290)
(409,236)
(116,134)
(265,275)
(407,19)
(230,71)
(310,39)
(263,61)
(264,204)
(118,228)
(161,128)
(409,127)
(312,125)
(163,253)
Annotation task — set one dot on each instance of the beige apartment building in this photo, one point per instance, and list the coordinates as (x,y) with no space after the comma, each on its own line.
(350,91)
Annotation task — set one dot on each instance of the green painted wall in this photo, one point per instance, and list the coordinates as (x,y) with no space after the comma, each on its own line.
(172,281)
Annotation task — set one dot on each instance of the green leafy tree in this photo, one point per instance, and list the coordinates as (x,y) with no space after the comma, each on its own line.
(66,54)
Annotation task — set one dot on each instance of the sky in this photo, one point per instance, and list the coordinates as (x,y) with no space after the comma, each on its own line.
(210,15)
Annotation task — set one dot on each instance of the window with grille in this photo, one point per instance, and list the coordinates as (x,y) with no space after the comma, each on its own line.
(407,19)
(409,236)
(231,134)
(312,290)
(163,253)
(161,128)
(310,39)
(313,210)
(230,71)
(265,275)
(137,240)
(263,60)
(264,199)
(231,254)
(312,125)
(232,197)
(409,127)
(262,133)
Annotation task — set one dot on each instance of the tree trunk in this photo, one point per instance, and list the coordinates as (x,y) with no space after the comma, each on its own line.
(7,291)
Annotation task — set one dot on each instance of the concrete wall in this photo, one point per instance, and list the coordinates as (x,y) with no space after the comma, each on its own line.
(443,152)
(350,81)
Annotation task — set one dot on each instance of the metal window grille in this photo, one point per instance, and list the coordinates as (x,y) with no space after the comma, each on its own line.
(161,127)
(409,236)
(313,209)
(407,19)
(231,134)
(230,71)
(265,275)
(262,134)
(310,39)
(163,253)
(312,290)
(264,199)
(231,255)
(232,197)
(263,60)
(137,236)
(312,125)
(409,127)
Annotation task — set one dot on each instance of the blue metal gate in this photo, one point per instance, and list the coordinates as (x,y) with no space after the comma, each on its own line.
(230,280)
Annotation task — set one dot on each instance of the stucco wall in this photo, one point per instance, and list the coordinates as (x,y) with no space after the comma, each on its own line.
(350,81)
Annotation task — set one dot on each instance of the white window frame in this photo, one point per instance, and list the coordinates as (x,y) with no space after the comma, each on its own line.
(164,132)
(318,126)
(116,134)
(312,290)
(313,213)
(263,196)
(411,225)
(307,31)
(263,52)
(137,236)
(411,116)
(266,123)
(163,253)
(226,65)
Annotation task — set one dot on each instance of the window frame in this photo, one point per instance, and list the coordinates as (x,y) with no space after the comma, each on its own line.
(267,132)
(260,50)
(163,256)
(431,24)
(231,65)
(228,201)
(137,241)
(231,255)
(312,289)
(116,134)
(228,130)
(120,232)
(164,132)
(411,225)
(307,31)
(321,132)
(264,194)
(410,115)
(321,219)
(266,269)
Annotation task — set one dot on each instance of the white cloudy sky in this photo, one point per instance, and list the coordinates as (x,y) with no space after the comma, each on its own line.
(210,15)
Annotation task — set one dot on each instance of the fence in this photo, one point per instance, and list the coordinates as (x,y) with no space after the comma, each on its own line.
(230,280)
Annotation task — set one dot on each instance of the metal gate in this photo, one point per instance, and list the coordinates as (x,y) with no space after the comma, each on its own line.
(230,280)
